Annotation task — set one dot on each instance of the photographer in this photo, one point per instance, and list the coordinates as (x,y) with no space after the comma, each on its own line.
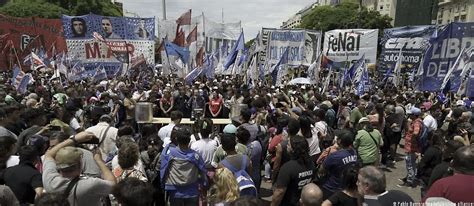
(62,173)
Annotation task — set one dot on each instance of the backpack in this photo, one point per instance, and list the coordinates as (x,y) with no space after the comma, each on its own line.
(264,139)
(246,185)
(329,138)
(422,139)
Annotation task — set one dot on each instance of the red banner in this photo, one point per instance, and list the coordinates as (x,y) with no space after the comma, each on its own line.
(21,35)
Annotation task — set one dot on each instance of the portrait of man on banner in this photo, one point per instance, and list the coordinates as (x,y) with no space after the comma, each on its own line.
(310,48)
(141,32)
(107,27)
(78,27)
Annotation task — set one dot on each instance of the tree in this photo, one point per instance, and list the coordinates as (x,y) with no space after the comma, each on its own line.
(25,8)
(345,15)
(56,8)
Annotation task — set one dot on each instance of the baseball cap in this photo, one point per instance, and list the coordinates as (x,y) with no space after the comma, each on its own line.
(230,129)
(414,110)
(327,103)
(68,157)
(363,119)
(459,103)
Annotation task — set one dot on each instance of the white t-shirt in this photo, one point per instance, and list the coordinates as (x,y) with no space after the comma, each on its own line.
(313,142)
(430,122)
(165,133)
(206,148)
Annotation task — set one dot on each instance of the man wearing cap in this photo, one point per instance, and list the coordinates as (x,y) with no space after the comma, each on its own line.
(62,173)
(107,135)
(415,125)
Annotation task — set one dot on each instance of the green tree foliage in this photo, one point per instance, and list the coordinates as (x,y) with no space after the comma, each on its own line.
(25,8)
(55,8)
(344,16)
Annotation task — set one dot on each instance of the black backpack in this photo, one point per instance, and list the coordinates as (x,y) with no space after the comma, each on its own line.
(263,138)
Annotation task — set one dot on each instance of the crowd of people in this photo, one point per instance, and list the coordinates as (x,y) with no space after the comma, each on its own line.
(80,144)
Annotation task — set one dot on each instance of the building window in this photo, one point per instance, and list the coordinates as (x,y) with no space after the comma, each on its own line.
(463,8)
(456,19)
(440,21)
(463,18)
(381,7)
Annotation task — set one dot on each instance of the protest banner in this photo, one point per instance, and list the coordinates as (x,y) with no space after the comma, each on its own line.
(303,46)
(444,50)
(342,45)
(411,40)
(109,41)
(22,35)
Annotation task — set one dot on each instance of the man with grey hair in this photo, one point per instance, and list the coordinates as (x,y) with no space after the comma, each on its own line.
(371,183)
(311,195)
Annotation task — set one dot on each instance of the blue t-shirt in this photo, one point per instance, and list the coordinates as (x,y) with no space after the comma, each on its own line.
(335,164)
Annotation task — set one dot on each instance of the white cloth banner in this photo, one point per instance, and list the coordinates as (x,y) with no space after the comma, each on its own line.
(303,46)
(350,44)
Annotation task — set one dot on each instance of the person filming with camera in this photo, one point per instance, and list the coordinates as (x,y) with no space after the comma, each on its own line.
(62,172)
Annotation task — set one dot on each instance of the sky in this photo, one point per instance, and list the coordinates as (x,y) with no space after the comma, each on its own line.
(254,14)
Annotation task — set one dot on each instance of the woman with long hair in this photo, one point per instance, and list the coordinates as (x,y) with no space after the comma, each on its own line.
(349,196)
(294,174)
(310,133)
(225,188)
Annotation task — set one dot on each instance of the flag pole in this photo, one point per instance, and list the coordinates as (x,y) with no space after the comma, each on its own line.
(16,54)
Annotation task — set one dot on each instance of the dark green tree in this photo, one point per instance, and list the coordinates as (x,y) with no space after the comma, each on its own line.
(346,15)
(55,8)
(25,8)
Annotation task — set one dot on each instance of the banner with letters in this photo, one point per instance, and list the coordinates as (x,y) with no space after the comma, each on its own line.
(303,46)
(342,45)
(26,35)
(444,49)
(110,42)
(411,40)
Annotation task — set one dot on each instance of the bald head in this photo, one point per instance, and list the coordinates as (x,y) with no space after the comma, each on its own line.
(311,195)
(463,160)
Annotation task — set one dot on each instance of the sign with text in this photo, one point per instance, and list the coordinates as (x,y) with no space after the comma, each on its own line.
(350,45)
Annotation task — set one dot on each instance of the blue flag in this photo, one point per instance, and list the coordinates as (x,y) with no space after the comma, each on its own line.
(355,66)
(387,74)
(239,45)
(276,69)
(24,84)
(175,50)
(361,87)
(16,72)
(192,75)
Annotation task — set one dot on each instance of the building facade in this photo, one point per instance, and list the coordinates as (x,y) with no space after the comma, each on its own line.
(384,7)
(455,11)
(296,19)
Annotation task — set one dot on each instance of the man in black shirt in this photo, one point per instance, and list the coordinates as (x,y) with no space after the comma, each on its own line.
(294,174)
(24,180)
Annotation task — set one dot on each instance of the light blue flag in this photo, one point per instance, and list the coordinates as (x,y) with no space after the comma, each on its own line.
(172,49)
(239,45)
